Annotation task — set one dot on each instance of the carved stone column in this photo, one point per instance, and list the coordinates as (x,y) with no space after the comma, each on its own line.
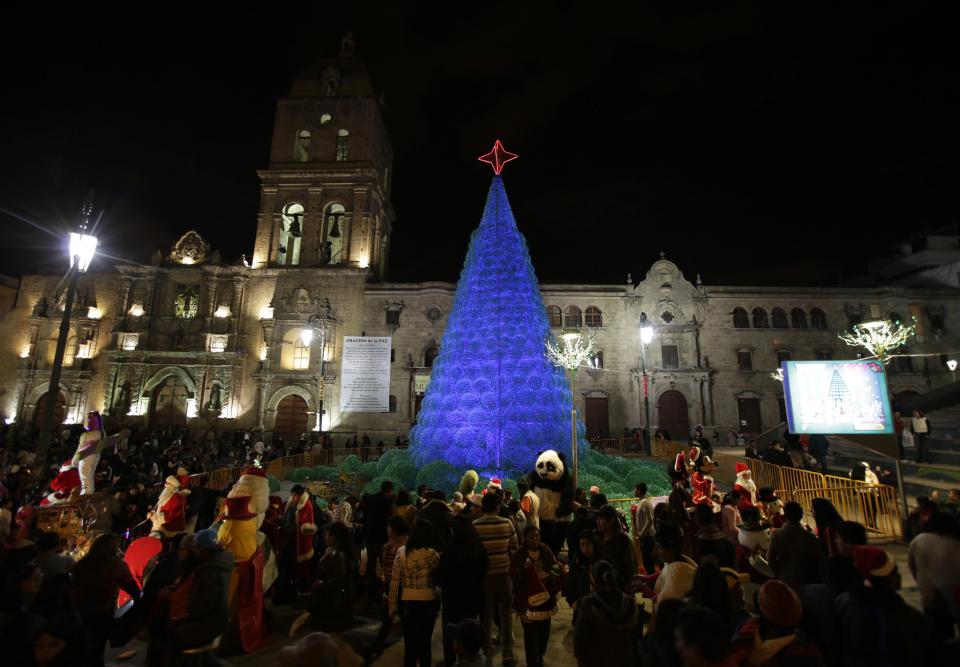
(261,403)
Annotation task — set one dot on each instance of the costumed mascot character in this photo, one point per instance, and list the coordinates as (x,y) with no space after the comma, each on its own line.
(704,488)
(746,486)
(682,467)
(771,507)
(254,484)
(63,485)
(552,484)
(238,534)
(87,456)
(169,516)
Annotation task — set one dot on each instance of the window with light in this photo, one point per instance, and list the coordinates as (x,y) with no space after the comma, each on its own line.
(301,355)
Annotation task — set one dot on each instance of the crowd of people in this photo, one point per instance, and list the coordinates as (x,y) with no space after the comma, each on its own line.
(702,577)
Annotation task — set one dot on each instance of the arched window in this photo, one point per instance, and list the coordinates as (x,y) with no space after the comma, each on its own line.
(333,234)
(818,320)
(342,137)
(779,318)
(555,315)
(744,360)
(597,361)
(291,233)
(294,354)
(895,318)
(573,317)
(760,319)
(301,147)
(70,352)
(740,319)
(594,318)
(430,355)
(798,318)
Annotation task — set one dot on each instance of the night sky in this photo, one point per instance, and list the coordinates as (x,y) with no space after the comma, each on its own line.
(753,142)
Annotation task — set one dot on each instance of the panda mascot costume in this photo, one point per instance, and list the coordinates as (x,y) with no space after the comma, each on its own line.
(551,482)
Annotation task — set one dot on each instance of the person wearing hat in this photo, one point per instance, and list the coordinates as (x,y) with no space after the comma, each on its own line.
(169,515)
(704,488)
(254,484)
(771,507)
(774,636)
(607,625)
(794,554)
(301,509)
(753,540)
(238,534)
(318,649)
(876,625)
(198,604)
(745,486)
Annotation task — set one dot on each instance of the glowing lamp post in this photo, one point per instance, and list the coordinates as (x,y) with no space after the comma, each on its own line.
(318,327)
(646,337)
(952,365)
(83,247)
(880,338)
(576,350)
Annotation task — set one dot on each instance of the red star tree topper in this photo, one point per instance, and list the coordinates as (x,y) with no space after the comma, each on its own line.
(497,157)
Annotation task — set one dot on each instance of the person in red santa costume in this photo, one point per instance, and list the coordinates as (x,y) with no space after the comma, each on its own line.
(63,485)
(746,486)
(87,456)
(169,515)
(254,484)
(704,489)
(306,529)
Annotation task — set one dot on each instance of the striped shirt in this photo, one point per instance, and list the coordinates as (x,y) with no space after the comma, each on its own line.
(499,539)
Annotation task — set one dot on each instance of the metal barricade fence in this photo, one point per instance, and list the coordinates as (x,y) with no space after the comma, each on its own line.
(873,505)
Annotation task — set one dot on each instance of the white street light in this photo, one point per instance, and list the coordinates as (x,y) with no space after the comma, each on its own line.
(577,349)
(306,336)
(646,333)
(952,365)
(83,247)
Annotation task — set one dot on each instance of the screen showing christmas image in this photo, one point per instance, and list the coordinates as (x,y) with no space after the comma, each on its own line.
(836,397)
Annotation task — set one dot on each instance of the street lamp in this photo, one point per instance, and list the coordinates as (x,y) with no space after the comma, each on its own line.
(576,350)
(952,365)
(83,247)
(646,337)
(318,327)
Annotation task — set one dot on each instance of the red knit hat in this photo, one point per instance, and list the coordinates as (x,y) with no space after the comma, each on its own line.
(740,467)
(255,471)
(872,561)
(779,604)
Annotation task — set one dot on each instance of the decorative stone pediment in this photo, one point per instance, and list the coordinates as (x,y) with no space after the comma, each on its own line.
(190,249)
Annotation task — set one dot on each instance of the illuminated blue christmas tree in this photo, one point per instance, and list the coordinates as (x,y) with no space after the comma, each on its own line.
(494,400)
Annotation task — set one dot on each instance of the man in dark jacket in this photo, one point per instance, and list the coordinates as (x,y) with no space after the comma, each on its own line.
(795,553)
(205,617)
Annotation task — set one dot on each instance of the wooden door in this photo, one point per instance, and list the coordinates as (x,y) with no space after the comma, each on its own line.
(749,409)
(169,404)
(59,410)
(597,417)
(292,418)
(673,416)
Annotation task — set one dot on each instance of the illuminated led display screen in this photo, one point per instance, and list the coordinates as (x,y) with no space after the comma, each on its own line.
(836,397)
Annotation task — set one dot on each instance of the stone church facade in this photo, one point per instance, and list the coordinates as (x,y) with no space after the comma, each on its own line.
(191,340)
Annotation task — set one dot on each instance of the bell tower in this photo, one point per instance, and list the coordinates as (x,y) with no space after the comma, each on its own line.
(325,196)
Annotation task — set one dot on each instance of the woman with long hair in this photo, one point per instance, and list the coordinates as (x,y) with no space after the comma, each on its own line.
(404,507)
(97,580)
(461,575)
(827,519)
(413,573)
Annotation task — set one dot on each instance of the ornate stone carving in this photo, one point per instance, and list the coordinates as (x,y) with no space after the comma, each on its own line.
(190,249)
